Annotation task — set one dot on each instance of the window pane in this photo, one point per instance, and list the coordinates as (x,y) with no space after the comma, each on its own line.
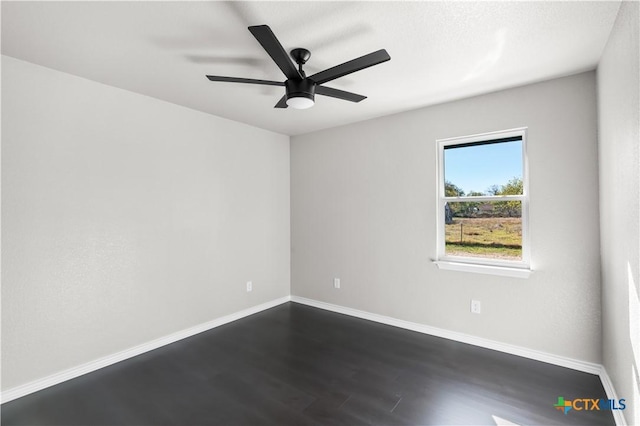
(491,230)
(483,169)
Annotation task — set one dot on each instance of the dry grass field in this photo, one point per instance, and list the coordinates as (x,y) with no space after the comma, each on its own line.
(493,237)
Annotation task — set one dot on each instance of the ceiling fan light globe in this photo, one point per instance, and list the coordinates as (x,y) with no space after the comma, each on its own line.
(300,102)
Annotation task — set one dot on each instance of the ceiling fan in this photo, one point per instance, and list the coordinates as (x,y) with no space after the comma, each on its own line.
(300,89)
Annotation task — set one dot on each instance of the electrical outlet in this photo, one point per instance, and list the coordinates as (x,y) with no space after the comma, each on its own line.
(249,286)
(475,307)
(336,283)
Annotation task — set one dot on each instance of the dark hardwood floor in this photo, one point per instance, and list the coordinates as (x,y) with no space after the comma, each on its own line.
(297,365)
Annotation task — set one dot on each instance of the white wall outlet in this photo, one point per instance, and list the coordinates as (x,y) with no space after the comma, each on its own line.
(336,283)
(249,286)
(475,307)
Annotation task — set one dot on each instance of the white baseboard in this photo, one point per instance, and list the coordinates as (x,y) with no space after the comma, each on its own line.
(575,364)
(611,394)
(54,379)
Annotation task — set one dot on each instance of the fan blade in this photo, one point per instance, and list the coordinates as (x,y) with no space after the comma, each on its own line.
(282,103)
(354,65)
(340,94)
(270,43)
(244,80)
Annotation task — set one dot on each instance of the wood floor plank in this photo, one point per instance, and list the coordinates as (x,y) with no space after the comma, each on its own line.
(297,365)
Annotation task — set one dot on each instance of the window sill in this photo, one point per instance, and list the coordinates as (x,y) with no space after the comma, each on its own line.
(505,271)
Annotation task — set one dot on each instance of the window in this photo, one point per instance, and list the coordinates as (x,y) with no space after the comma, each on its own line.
(483,203)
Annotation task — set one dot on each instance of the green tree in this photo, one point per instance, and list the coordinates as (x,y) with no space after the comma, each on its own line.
(471,208)
(452,190)
(493,190)
(509,208)
(513,187)
(461,209)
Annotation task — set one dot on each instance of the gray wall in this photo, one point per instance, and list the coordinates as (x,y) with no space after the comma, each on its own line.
(619,140)
(126,219)
(363,210)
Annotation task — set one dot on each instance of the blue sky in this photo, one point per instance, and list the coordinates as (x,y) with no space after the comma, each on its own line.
(476,168)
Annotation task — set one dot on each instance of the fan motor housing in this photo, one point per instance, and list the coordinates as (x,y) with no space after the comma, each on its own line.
(300,88)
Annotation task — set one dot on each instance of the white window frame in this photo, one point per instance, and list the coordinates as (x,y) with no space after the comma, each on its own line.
(517,268)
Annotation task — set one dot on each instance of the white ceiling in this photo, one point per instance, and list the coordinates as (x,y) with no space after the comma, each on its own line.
(440,51)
